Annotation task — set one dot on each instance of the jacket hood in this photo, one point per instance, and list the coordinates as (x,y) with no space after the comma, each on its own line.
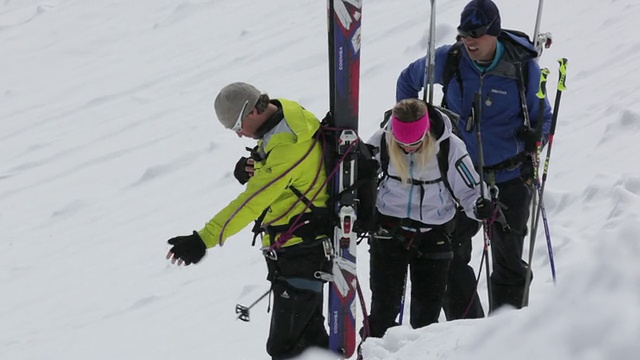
(298,126)
(441,127)
(517,47)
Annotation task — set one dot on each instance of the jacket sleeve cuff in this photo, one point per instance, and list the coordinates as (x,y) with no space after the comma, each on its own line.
(209,239)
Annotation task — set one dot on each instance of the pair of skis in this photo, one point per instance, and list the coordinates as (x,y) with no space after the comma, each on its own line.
(344,20)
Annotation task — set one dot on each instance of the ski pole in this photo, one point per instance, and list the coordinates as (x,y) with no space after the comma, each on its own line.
(541,94)
(431,57)
(402,300)
(552,262)
(243,311)
(475,290)
(535,156)
(365,314)
(476,115)
(554,118)
(554,121)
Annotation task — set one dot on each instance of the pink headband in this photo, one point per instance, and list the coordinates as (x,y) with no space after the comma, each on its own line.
(410,132)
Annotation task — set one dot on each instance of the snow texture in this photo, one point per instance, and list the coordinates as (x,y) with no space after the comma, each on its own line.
(109,146)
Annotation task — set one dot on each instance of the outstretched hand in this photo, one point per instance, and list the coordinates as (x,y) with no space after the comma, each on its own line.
(187,250)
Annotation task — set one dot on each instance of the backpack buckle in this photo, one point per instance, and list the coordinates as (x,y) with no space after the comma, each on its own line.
(270,254)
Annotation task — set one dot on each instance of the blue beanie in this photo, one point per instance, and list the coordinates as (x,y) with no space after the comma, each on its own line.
(479,13)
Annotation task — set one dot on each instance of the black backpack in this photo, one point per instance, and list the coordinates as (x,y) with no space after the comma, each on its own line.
(322,220)
(366,176)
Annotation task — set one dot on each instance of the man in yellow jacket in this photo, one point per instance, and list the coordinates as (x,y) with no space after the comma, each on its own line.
(287,163)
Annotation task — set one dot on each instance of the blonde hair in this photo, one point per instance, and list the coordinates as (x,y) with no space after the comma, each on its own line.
(409,110)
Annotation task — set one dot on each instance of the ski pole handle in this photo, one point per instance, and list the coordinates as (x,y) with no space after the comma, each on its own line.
(542,95)
(542,89)
(563,74)
(562,78)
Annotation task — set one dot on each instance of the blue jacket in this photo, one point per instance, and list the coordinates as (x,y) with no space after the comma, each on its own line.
(502,115)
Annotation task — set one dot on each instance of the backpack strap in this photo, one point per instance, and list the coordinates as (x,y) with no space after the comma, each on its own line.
(384,157)
(451,68)
(443,166)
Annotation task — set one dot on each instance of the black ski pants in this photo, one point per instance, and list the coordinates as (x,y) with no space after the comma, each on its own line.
(509,270)
(461,299)
(427,255)
(297,322)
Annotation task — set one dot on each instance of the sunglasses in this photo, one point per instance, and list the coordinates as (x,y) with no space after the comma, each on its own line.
(412,145)
(238,125)
(477,32)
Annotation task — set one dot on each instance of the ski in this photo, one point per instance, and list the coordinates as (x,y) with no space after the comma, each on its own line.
(344,18)
(541,40)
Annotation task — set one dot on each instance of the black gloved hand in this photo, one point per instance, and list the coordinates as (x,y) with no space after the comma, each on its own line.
(244,170)
(483,209)
(530,137)
(189,249)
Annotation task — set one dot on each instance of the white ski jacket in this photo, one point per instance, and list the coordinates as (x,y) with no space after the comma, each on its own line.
(431,203)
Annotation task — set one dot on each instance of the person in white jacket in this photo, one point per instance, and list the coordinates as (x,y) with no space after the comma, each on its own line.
(427,174)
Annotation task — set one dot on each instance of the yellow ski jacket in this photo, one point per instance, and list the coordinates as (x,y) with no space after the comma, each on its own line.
(293,158)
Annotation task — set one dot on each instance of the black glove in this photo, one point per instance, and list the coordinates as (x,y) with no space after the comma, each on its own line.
(530,137)
(189,249)
(484,209)
(244,170)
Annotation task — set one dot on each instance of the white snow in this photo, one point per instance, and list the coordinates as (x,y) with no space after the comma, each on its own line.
(109,146)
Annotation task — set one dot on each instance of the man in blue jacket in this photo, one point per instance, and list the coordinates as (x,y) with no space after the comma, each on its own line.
(500,67)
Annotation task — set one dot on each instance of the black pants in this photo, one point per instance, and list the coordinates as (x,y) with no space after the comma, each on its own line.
(509,270)
(297,322)
(427,255)
(461,299)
